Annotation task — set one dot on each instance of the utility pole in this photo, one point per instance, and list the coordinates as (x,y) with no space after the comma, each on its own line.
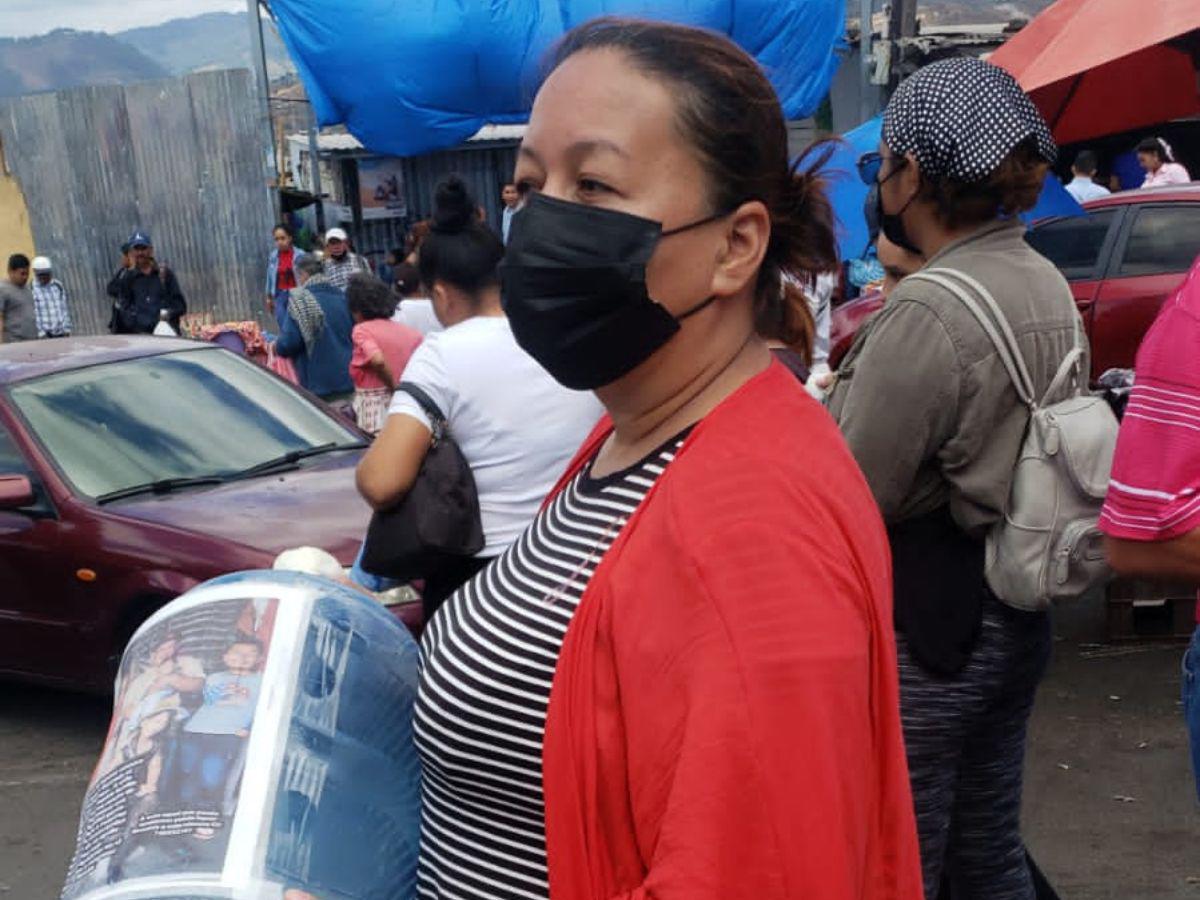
(314,170)
(902,25)
(866,89)
(903,19)
(258,55)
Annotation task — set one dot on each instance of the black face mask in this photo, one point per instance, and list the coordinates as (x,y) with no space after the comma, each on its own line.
(871,214)
(892,224)
(574,283)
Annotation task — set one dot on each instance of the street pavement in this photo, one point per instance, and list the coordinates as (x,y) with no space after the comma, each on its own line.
(1110,809)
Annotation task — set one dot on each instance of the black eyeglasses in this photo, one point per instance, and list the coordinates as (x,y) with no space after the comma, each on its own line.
(871,164)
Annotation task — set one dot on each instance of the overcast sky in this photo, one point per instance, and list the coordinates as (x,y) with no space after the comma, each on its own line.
(22,18)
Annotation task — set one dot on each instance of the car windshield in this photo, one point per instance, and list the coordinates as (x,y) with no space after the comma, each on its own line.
(190,414)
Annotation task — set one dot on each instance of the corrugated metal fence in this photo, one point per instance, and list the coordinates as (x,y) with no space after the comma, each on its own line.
(484,170)
(182,159)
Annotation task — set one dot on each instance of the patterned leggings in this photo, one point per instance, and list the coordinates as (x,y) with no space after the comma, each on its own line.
(966,751)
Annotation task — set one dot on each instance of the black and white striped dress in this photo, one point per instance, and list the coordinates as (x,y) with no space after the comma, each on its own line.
(488,660)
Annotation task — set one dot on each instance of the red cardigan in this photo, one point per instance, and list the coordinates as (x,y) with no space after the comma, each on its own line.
(724,719)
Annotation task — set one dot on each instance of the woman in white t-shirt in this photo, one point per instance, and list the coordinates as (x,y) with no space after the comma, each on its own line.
(414,309)
(516,426)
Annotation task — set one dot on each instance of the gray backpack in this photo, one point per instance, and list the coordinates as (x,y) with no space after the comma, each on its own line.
(1048,546)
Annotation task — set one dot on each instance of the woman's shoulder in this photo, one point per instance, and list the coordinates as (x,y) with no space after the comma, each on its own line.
(400,332)
(760,506)
(477,337)
(384,326)
(773,453)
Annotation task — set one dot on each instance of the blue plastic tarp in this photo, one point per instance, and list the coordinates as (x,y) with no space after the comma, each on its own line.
(412,76)
(847,192)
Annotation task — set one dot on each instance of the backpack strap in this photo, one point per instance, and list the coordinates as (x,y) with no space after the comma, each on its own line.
(1070,364)
(1005,344)
(1068,370)
(994,308)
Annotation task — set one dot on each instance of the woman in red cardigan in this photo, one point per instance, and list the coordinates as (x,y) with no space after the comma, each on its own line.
(680,683)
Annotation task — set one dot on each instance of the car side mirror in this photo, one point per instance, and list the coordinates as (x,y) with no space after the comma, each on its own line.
(16,492)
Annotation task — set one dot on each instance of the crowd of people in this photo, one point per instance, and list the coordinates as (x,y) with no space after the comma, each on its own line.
(601,710)
(1155,163)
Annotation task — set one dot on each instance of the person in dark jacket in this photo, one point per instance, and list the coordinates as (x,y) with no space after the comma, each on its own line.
(142,289)
(317,333)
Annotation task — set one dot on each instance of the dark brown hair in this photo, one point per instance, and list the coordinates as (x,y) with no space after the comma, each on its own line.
(1014,187)
(416,236)
(407,279)
(459,248)
(370,297)
(1153,145)
(728,112)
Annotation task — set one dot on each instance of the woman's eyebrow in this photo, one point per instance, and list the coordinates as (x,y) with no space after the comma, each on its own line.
(593,145)
(529,153)
(578,150)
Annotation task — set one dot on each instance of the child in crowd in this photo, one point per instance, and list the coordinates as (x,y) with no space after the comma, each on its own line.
(382,348)
(212,739)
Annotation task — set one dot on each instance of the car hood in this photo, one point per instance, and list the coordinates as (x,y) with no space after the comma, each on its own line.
(315,505)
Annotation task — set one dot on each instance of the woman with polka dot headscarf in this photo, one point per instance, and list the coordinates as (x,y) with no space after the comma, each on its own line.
(931,416)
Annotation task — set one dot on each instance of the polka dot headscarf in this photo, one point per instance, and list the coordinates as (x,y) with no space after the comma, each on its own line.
(961,118)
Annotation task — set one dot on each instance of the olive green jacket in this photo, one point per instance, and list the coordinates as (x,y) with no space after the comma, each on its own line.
(922,397)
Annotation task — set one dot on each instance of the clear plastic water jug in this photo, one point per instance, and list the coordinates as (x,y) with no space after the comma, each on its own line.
(261,748)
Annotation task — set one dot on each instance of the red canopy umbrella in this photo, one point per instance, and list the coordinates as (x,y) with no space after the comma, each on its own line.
(1097,67)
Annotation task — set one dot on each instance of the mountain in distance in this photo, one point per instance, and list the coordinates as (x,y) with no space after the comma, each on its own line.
(66,58)
(210,41)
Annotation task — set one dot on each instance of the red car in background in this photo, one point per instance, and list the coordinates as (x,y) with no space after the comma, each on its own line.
(1122,261)
(134,468)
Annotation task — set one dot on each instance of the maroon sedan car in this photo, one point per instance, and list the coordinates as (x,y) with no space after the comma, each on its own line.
(1122,261)
(134,468)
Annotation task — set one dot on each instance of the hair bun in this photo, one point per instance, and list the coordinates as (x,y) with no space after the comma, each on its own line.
(454,208)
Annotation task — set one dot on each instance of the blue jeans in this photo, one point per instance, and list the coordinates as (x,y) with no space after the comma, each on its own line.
(1191,700)
(371,582)
(281,308)
(205,763)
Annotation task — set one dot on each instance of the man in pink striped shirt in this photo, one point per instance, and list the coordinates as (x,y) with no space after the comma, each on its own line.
(1152,514)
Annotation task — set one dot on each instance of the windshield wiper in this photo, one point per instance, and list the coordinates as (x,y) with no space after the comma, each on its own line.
(287,461)
(291,458)
(162,486)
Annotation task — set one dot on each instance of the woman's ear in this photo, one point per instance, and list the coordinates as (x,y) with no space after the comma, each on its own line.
(747,236)
(910,176)
(441,300)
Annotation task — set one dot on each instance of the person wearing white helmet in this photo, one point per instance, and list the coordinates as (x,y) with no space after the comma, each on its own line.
(340,260)
(51,303)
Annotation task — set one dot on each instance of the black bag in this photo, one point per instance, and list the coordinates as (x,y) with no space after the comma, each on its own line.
(938,585)
(437,522)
